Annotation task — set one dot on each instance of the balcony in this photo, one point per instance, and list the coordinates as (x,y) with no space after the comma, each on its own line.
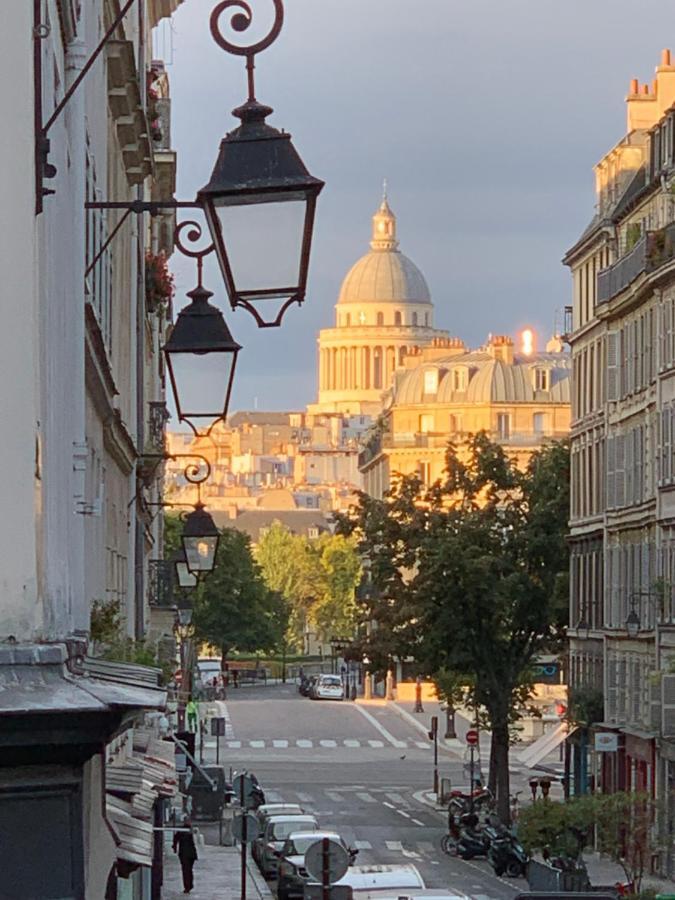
(653,250)
(160,583)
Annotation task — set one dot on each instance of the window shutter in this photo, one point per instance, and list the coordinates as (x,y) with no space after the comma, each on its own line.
(611,472)
(668,705)
(612,367)
(629,468)
(620,476)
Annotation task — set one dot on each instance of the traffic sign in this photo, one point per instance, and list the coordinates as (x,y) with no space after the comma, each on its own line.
(252,827)
(217,726)
(326,857)
(472,737)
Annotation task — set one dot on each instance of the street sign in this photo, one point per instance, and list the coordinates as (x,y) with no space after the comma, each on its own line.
(252,827)
(218,726)
(606,742)
(326,857)
(472,737)
(243,787)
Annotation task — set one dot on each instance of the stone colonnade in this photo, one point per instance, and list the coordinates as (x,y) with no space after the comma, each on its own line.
(366,367)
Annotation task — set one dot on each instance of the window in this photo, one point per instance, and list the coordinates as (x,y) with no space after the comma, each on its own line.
(459,379)
(398,319)
(503,426)
(312,532)
(542,379)
(426,423)
(426,320)
(380,318)
(414,318)
(424,472)
(430,381)
(455,424)
(348,319)
(540,423)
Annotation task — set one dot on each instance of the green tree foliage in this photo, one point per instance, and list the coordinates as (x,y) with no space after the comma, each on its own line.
(469,576)
(622,824)
(317,578)
(233,607)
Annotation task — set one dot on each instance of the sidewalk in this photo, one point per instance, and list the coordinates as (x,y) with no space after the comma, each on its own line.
(217,876)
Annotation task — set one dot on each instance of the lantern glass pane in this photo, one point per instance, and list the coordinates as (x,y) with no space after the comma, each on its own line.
(263,242)
(201,382)
(200,553)
(186,579)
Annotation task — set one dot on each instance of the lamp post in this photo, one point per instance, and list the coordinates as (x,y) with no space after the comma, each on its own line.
(184,631)
(367,687)
(200,540)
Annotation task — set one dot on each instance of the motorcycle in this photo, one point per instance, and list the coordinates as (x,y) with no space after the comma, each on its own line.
(505,854)
(479,799)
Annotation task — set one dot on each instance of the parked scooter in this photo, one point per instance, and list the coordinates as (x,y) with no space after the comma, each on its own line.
(505,853)
(473,839)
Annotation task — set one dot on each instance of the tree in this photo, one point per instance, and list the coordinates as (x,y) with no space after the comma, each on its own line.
(622,824)
(334,612)
(469,576)
(234,609)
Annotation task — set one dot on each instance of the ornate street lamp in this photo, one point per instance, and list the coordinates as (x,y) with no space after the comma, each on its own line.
(583,628)
(260,200)
(633,624)
(184,577)
(200,353)
(200,540)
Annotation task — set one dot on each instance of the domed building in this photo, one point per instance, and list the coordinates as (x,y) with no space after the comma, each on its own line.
(384,310)
(521,398)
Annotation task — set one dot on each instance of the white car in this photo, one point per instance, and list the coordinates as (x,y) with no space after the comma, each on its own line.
(371,882)
(329,687)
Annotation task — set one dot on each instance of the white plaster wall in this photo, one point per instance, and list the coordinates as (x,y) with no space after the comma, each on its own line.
(21,613)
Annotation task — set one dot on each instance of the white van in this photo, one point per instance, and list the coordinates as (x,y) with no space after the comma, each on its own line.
(363,882)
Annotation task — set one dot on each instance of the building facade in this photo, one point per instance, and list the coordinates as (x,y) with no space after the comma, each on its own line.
(622,626)
(78,411)
(384,310)
(445,392)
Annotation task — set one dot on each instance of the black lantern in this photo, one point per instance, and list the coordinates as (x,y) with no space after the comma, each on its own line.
(200,540)
(201,356)
(184,577)
(583,628)
(633,624)
(259,205)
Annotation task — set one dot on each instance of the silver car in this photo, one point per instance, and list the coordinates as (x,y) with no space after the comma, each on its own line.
(265,812)
(277,829)
(292,874)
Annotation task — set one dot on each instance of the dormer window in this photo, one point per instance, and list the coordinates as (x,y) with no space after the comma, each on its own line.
(459,379)
(430,381)
(542,379)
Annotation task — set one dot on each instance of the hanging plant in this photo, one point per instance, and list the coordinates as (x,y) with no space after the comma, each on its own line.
(159,282)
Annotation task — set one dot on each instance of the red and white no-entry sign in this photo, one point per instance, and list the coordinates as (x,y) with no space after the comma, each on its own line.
(472,737)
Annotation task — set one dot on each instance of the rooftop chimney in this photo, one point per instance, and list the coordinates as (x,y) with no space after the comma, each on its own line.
(500,347)
(644,107)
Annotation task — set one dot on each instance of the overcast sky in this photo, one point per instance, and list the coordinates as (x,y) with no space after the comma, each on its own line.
(485,116)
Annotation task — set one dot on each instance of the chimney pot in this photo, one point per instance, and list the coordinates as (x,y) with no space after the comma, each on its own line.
(665,57)
(655,88)
(645,88)
(634,87)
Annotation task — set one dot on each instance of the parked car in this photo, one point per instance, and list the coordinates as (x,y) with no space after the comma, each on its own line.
(270,842)
(292,874)
(267,810)
(379,881)
(329,687)
(414,893)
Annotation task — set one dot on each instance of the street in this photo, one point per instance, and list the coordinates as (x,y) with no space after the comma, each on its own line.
(359,769)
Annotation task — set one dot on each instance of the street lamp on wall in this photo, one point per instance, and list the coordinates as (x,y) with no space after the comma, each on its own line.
(184,577)
(200,540)
(633,623)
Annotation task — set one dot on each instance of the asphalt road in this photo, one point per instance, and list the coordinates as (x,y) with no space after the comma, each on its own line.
(361,770)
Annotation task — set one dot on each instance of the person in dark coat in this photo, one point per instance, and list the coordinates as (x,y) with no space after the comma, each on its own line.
(184,846)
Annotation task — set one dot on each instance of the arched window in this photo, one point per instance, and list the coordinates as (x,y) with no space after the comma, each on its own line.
(380,318)
(348,319)
(414,318)
(426,320)
(377,368)
(397,318)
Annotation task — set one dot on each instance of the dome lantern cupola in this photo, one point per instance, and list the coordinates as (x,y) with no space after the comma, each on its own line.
(384,227)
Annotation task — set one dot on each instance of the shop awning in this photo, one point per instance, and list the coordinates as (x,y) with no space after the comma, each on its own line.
(535,753)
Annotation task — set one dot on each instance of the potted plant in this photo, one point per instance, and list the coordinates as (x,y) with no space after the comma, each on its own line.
(159,282)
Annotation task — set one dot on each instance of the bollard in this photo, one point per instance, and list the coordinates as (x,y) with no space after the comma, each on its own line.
(367,687)
(389,686)
(418,695)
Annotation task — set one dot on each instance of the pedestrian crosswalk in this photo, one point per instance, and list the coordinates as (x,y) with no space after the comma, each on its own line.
(317,744)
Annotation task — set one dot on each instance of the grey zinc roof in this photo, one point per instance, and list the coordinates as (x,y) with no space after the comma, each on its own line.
(384,276)
(297,521)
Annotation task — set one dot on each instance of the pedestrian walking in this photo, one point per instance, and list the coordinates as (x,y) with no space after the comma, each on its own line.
(192,714)
(184,846)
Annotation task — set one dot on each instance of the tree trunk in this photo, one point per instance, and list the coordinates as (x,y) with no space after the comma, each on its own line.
(224,650)
(500,753)
(492,771)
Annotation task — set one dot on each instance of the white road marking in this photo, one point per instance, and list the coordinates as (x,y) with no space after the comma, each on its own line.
(256,744)
(304,798)
(417,822)
(394,845)
(351,743)
(434,862)
(423,746)
(376,743)
(362,845)
(334,796)
(402,812)
(273,797)
(427,846)
(390,805)
(410,853)
(396,798)
(383,731)
(328,743)
(367,798)
(280,743)
(235,745)
(304,743)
